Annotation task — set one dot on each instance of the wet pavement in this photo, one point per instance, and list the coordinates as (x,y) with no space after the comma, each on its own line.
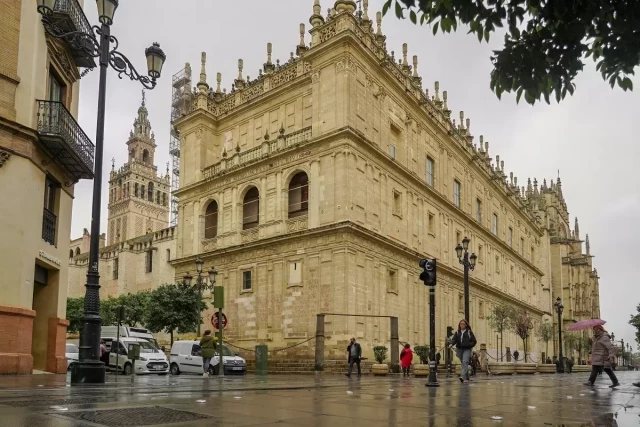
(318,400)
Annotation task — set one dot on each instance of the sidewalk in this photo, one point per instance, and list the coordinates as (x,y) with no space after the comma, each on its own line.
(536,400)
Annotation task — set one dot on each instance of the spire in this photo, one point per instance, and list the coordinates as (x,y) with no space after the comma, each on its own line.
(113,164)
(239,82)
(481,147)
(143,97)
(202,84)
(535,187)
(576,227)
(268,66)
(461,128)
(141,125)
(219,82)
(529,188)
(436,97)
(405,64)
(348,6)
(587,245)
(316,19)
(544,184)
(302,47)
(366,21)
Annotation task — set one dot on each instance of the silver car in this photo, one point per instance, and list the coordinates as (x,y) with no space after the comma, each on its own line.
(72,354)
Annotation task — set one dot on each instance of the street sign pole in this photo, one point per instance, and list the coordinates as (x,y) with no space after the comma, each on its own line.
(221,358)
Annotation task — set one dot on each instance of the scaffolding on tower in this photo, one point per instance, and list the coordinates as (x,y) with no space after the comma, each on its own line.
(180,100)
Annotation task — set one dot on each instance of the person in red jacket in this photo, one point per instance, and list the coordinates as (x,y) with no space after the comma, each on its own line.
(406,357)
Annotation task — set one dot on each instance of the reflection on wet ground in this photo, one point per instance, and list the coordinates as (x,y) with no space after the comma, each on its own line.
(318,400)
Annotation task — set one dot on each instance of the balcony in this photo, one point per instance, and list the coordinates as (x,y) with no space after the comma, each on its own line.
(64,139)
(68,17)
(49,220)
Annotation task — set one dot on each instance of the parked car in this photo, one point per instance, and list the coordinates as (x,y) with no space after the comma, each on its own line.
(72,353)
(186,358)
(128,332)
(152,360)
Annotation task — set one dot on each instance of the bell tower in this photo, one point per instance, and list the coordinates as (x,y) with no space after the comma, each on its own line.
(138,197)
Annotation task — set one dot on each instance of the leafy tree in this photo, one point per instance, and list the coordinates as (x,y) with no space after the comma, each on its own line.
(546,41)
(522,325)
(108,311)
(136,306)
(545,334)
(570,341)
(173,307)
(501,319)
(635,322)
(75,310)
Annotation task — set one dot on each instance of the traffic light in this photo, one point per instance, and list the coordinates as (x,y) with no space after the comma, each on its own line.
(428,275)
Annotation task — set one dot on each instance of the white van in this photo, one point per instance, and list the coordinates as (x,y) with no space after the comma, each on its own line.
(185,358)
(152,360)
(128,331)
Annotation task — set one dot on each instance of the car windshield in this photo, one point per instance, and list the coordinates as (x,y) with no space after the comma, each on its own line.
(226,351)
(72,348)
(146,347)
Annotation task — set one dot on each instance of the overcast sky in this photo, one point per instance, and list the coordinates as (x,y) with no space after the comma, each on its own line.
(589,137)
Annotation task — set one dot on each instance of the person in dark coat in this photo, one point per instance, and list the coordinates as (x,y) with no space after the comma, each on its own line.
(602,357)
(516,355)
(464,340)
(355,355)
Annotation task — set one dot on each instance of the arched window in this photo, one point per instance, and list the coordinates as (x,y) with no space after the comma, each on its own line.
(70,253)
(251,209)
(145,156)
(135,189)
(158,197)
(77,251)
(142,192)
(150,192)
(211,221)
(132,154)
(298,195)
(164,199)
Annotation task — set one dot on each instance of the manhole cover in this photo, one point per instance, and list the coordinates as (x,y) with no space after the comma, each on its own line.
(52,402)
(128,417)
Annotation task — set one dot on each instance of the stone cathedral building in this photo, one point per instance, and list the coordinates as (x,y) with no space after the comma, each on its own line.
(317,186)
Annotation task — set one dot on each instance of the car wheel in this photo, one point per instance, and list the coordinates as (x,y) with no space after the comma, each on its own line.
(128,369)
(175,370)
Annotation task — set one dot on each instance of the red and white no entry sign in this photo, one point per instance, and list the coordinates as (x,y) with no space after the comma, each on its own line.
(215,321)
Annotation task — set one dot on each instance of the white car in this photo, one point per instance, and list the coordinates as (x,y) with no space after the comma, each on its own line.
(152,360)
(72,353)
(185,358)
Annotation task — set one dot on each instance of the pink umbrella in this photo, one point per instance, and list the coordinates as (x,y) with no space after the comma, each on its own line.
(586,324)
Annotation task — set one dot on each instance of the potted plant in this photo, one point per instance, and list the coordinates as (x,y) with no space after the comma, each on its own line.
(380,355)
(422,369)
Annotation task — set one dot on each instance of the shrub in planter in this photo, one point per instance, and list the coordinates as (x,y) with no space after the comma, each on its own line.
(422,351)
(380,355)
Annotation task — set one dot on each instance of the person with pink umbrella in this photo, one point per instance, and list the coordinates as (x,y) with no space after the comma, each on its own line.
(602,356)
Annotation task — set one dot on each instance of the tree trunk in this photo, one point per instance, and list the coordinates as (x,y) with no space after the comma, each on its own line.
(547,352)
(524,344)
(171,336)
(501,346)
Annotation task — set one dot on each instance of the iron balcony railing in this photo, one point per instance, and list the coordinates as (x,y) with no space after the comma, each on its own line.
(64,139)
(49,221)
(68,17)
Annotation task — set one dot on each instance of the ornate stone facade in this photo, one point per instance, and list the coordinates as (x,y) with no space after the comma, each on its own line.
(138,197)
(388,178)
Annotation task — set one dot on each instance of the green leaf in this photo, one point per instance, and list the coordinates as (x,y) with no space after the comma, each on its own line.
(413,17)
(399,12)
(386,6)
(487,34)
(423,18)
(435,28)
(529,98)
(518,95)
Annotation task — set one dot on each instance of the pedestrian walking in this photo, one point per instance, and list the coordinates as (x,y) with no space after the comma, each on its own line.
(475,363)
(104,353)
(602,357)
(516,355)
(464,340)
(208,350)
(570,365)
(355,355)
(406,357)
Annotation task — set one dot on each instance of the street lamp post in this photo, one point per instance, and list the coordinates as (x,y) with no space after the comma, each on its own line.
(559,307)
(200,285)
(90,369)
(469,263)
(622,342)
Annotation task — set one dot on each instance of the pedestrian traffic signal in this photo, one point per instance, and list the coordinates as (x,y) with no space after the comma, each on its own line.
(428,275)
